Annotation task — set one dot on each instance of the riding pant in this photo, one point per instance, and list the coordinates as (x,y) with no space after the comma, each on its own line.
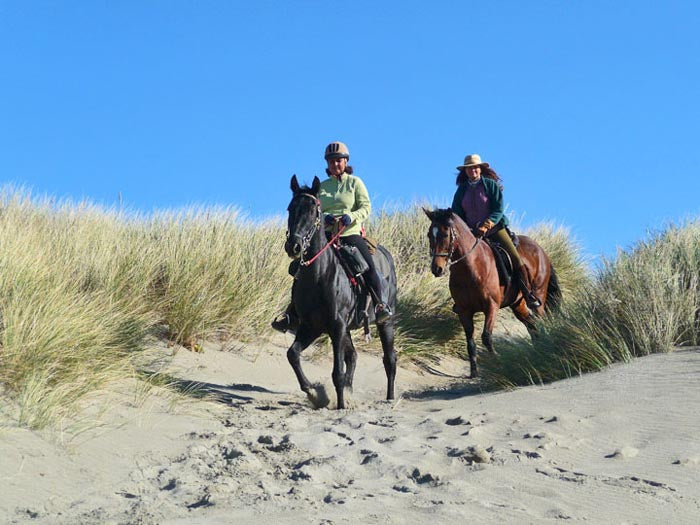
(503,237)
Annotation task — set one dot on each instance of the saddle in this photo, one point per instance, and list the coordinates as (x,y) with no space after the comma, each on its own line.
(355,266)
(503,263)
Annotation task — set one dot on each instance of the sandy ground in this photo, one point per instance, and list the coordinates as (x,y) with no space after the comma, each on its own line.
(620,446)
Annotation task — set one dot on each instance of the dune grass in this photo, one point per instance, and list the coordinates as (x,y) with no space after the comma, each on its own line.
(83,289)
(642,302)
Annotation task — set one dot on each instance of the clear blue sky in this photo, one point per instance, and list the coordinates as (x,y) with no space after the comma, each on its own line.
(589,110)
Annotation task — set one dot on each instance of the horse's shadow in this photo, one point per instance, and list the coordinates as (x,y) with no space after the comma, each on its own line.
(226,394)
(456,390)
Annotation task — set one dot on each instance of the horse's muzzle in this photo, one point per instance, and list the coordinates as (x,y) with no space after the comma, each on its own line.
(438,271)
(293,248)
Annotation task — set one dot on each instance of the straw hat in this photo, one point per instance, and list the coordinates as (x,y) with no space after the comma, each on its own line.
(472,160)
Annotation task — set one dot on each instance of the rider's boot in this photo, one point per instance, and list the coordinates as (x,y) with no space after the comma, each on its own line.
(523,279)
(382,311)
(286,321)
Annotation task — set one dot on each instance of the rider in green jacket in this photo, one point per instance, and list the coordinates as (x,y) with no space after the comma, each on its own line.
(344,201)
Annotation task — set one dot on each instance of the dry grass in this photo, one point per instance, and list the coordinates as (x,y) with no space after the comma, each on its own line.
(82,288)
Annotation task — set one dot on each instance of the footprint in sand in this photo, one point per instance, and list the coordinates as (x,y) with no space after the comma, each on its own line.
(623,453)
(688,462)
(474,454)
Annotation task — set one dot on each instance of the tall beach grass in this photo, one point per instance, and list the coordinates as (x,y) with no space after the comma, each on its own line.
(83,290)
(642,302)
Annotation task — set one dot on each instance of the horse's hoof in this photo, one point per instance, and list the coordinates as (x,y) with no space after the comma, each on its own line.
(318,396)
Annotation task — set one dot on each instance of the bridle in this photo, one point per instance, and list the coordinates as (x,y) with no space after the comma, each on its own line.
(306,238)
(451,248)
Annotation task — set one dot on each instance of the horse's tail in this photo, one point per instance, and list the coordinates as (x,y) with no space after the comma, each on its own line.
(553,301)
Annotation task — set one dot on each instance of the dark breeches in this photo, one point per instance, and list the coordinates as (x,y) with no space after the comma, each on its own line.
(371,275)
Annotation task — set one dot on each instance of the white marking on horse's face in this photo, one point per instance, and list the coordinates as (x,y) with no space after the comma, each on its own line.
(435,232)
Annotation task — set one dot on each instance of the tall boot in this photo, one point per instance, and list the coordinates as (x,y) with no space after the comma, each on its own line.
(287,321)
(382,311)
(523,279)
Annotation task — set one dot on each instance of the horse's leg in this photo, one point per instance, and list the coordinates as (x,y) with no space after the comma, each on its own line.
(339,339)
(386,334)
(489,322)
(467,320)
(350,361)
(304,337)
(523,314)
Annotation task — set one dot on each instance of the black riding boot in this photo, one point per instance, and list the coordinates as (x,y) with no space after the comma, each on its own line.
(287,321)
(523,280)
(382,311)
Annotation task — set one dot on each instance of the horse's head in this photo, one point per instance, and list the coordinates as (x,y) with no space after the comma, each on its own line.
(441,235)
(304,218)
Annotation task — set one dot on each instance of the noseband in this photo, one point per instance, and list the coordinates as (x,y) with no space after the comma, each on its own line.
(453,236)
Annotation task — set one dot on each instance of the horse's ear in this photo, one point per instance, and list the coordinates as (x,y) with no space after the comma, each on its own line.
(429,213)
(315,186)
(294,184)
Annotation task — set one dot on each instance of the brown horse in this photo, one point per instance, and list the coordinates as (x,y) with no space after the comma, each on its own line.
(474,282)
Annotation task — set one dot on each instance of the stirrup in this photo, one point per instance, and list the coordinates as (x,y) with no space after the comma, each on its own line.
(382,313)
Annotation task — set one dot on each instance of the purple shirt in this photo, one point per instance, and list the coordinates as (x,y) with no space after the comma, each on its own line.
(475,204)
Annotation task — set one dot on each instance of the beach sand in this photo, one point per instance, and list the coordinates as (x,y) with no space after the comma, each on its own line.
(619,446)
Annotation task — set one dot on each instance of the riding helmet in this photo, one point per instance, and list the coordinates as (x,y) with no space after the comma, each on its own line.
(337,150)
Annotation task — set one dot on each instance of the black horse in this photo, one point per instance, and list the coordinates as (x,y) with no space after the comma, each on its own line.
(325,299)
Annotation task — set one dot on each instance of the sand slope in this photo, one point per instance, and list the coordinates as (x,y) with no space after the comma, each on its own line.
(619,446)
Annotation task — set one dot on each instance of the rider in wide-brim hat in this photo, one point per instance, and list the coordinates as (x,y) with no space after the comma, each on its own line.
(479,202)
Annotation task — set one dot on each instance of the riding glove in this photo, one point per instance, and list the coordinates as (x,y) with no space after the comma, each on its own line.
(345,220)
(484,227)
(329,219)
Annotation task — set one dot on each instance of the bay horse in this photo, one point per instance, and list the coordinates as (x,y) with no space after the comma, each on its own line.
(474,281)
(324,297)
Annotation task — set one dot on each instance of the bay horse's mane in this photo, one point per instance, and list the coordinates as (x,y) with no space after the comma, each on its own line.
(446,217)
(443,216)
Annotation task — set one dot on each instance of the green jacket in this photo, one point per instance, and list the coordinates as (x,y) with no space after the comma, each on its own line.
(495,195)
(345,196)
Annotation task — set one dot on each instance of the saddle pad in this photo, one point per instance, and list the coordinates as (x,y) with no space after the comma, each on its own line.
(371,244)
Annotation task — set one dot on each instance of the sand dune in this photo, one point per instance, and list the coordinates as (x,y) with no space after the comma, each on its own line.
(620,446)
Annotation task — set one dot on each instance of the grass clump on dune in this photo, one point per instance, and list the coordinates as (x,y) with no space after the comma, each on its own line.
(644,301)
(70,310)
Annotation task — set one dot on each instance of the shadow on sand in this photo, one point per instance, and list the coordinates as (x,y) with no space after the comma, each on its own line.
(456,390)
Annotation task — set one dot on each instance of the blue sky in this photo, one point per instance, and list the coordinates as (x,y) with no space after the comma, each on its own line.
(589,110)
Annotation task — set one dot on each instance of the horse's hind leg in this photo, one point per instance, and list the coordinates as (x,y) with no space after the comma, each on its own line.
(303,339)
(386,335)
(350,362)
(467,321)
(523,314)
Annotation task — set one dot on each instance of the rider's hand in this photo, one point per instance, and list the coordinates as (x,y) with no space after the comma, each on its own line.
(329,219)
(345,220)
(483,228)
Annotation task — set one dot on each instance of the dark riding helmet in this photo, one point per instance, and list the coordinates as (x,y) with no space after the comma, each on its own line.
(337,150)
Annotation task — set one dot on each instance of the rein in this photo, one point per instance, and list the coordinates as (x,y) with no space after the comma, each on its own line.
(333,239)
(453,236)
